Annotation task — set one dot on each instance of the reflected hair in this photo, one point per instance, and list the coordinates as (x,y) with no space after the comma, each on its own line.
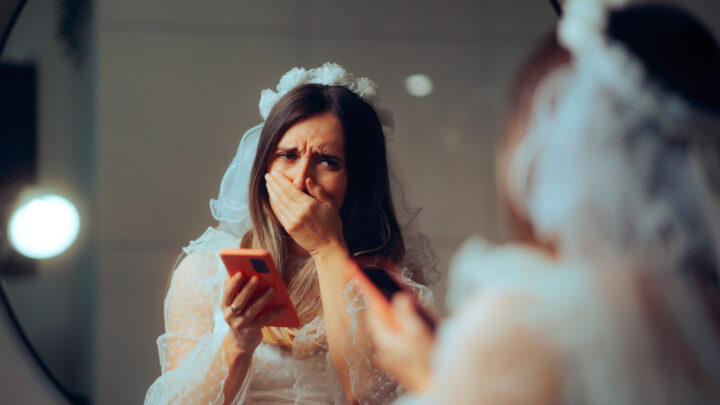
(369,223)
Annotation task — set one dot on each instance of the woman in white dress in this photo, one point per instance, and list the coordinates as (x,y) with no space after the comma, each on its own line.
(311,186)
(609,295)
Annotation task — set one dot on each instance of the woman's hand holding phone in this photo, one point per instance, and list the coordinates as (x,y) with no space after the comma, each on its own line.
(241,312)
(402,348)
(400,329)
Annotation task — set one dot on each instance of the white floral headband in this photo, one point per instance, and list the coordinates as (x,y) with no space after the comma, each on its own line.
(329,74)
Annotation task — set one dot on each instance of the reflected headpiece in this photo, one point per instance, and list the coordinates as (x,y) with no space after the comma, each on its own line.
(329,74)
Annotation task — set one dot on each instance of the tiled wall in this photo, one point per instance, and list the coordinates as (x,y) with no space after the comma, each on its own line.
(178,84)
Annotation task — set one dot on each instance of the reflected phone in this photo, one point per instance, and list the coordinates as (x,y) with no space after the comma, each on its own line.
(258,262)
(379,286)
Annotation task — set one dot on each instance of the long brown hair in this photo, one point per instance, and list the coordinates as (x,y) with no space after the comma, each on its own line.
(370,226)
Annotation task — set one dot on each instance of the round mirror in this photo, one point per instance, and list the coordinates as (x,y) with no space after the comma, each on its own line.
(47,186)
(131,110)
(135,108)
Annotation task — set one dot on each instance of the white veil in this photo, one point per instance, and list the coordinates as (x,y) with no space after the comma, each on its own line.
(621,174)
(231,206)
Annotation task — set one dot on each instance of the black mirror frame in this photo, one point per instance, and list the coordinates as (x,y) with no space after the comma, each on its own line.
(70,397)
(6,25)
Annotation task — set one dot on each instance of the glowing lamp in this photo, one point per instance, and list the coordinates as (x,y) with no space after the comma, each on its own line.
(44,226)
(419,85)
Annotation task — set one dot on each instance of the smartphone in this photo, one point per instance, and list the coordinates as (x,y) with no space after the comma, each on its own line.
(258,262)
(379,286)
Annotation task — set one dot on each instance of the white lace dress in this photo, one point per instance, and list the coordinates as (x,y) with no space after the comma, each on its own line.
(195,329)
(529,330)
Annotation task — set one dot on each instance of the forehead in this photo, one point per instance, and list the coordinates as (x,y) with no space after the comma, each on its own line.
(323,132)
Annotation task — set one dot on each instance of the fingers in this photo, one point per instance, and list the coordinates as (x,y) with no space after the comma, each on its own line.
(279,203)
(384,338)
(232,286)
(284,187)
(259,304)
(241,299)
(403,303)
(287,210)
(404,306)
(388,337)
(246,317)
(379,329)
(317,192)
(270,316)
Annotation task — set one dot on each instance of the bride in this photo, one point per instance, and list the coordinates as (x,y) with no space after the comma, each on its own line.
(311,186)
(610,293)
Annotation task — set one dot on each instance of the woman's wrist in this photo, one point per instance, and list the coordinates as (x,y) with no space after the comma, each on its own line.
(331,251)
(235,354)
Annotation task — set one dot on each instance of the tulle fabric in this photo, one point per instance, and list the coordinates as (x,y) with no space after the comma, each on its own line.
(376,386)
(195,329)
(620,174)
(231,205)
(604,349)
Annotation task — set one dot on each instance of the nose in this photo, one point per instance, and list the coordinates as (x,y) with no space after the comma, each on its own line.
(302,171)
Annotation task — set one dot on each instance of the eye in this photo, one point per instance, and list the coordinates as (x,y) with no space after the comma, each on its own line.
(329,163)
(286,155)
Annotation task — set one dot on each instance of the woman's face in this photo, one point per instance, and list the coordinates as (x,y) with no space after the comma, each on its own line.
(314,148)
(517,127)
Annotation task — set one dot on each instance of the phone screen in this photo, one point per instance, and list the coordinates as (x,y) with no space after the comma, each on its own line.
(387,286)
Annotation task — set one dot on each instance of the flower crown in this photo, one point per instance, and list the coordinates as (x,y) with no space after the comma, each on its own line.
(329,74)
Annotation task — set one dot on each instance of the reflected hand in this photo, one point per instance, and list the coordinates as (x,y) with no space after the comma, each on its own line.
(311,220)
(403,351)
(241,313)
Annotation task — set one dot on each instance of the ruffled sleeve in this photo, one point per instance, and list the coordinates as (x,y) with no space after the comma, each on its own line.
(371,385)
(191,354)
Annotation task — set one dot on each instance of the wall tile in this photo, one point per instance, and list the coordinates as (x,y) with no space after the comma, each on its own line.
(130,308)
(266,13)
(172,110)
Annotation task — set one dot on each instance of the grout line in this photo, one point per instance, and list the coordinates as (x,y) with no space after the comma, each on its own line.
(285,32)
(127,244)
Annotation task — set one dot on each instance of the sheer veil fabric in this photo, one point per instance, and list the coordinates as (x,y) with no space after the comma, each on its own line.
(195,326)
(621,174)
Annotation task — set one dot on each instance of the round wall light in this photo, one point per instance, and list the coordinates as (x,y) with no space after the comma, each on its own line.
(419,85)
(44,226)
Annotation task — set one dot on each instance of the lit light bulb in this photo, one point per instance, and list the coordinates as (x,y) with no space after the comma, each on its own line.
(44,226)
(419,85)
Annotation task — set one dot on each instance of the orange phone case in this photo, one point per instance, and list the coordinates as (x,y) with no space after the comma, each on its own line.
(258,262)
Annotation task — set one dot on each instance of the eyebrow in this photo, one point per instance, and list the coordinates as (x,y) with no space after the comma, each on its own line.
(315,154)
(326,156)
